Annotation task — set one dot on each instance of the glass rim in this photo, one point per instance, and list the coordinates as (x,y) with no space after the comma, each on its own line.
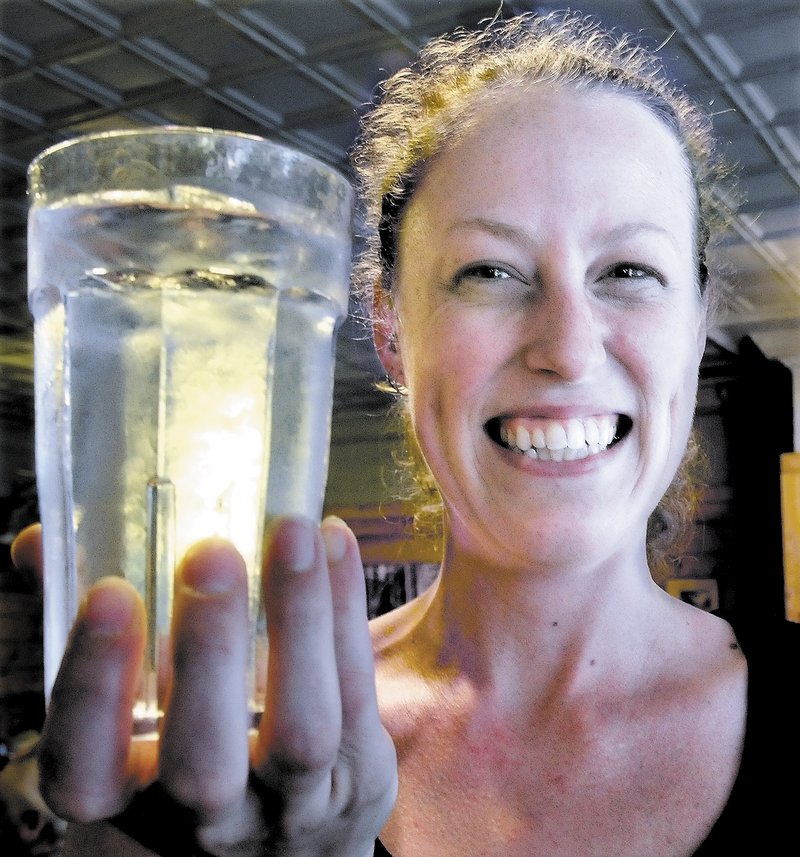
(179,131)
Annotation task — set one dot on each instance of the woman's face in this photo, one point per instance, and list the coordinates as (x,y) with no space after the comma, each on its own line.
(545,302)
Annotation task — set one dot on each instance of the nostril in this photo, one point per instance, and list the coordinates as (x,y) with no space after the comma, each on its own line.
(568,347)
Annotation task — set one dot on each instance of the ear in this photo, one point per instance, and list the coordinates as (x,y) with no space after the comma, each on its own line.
(385,325)
(702,333)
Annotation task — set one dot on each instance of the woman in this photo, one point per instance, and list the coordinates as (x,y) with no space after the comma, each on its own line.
(542,205)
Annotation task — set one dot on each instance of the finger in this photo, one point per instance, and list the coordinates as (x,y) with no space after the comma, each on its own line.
(204,748)
(354,658)
(26,551)
(301,727)
(366,745)
(83,757)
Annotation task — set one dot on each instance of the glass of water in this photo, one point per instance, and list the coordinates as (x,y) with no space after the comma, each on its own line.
(186,286)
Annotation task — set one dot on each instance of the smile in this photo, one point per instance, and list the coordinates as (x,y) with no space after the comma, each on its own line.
(559,440)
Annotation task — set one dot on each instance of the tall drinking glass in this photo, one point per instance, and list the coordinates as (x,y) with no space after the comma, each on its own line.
(186,286)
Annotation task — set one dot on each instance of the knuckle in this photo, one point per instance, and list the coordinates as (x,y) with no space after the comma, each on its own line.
(203,792)
(91,672)
(374,778)
(197,653)
(77,806)
(299,762)
(294,751)
(68,795)
(295,610)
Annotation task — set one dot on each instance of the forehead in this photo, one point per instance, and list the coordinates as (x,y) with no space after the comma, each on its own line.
(600,153)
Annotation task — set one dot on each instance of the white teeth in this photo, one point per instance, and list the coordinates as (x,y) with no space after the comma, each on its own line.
(523,438)
(537,438)
(608,429)
(556,437)
(551,440)
(576,436)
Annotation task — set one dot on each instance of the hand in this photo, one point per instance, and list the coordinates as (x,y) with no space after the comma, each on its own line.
(320,776)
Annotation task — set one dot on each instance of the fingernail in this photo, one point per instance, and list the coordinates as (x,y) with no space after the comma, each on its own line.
(335,538)
(298,545)
(109,609)
(212,567)
(25,552)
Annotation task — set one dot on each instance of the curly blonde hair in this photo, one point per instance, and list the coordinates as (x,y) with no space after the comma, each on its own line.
(425,107)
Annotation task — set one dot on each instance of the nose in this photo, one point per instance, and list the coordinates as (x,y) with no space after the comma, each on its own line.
(567,334)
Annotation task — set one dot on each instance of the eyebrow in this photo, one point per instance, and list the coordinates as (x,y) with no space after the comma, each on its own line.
(515,233)
(494,227)
(630,230)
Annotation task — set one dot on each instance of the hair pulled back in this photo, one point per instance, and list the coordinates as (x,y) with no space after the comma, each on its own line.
(422,109)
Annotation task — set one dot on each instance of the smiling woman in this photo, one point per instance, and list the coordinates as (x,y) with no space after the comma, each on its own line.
(456,86)
(543,201)
(540,201)
(535,317)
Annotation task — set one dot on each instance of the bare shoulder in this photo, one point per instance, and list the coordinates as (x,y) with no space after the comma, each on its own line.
(409,684)
(650,759)
(702,683)
(704,641)
(396,631)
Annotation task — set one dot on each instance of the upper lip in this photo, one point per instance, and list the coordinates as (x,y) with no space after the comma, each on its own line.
(559,412)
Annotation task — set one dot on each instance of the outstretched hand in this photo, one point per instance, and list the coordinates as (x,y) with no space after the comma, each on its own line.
(319,778)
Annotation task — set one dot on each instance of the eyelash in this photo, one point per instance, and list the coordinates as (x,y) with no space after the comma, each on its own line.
(642,271)
(491,271)
(486,271)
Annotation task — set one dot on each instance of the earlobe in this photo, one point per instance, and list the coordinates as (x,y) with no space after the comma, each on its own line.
(384,334)
(702,336)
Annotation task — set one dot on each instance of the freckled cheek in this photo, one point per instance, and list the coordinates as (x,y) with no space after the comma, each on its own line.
(447,345)
(447,379)
(664,371)
(678,386)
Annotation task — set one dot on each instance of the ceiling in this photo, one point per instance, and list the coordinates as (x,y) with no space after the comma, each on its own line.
(301,71)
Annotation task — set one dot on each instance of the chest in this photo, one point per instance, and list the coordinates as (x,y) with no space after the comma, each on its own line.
(579,786)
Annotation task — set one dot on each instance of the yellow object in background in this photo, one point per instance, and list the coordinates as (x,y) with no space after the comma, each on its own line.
(790,513)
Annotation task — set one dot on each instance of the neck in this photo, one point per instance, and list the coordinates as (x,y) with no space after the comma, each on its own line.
(532,633)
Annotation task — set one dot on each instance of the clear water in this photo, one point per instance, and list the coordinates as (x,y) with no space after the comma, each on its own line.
(182,400)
